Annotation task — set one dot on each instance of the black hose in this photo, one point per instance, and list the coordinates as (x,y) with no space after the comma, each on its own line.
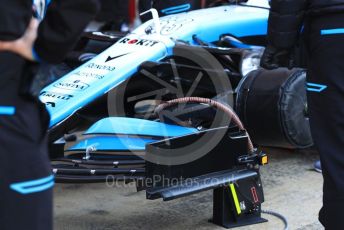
(279,216)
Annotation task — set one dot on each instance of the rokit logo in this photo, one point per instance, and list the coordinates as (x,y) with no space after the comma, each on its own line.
(60,96)
(138,42)
(75,85)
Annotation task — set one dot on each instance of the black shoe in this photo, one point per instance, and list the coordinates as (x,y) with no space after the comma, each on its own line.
(317,166)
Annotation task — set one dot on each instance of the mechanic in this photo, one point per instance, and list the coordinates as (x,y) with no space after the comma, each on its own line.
(323,22)
(115,14)
(26,179)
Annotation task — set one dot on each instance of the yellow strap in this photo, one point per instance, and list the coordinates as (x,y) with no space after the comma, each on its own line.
(235,198)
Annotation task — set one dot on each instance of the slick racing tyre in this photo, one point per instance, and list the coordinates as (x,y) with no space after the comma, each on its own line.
(273,107)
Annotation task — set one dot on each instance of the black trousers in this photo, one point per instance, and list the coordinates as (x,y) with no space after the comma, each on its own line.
(326,106)
(25,175)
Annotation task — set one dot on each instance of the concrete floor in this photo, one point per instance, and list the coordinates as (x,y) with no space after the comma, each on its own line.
(292,188)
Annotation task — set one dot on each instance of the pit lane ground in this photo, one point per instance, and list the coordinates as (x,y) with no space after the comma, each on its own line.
(291,187)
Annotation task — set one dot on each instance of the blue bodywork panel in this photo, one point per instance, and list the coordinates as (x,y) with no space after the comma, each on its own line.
(139,127)
(111,143)
(119,62)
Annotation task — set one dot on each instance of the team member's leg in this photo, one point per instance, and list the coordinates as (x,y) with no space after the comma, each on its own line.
(326,107)
(25,175)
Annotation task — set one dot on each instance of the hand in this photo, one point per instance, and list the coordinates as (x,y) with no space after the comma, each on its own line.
(274,58)
(23,46)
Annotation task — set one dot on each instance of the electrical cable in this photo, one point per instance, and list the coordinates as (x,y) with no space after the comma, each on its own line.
(258,7)
(236,2)
(279,216)
(268,212)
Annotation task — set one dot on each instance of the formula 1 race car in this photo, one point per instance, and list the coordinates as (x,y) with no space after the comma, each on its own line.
(82,93)
(163,101)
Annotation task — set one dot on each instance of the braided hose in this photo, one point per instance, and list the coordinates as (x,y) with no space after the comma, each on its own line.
(227,110)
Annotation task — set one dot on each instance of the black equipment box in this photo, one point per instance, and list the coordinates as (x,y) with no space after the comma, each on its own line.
(237,187)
